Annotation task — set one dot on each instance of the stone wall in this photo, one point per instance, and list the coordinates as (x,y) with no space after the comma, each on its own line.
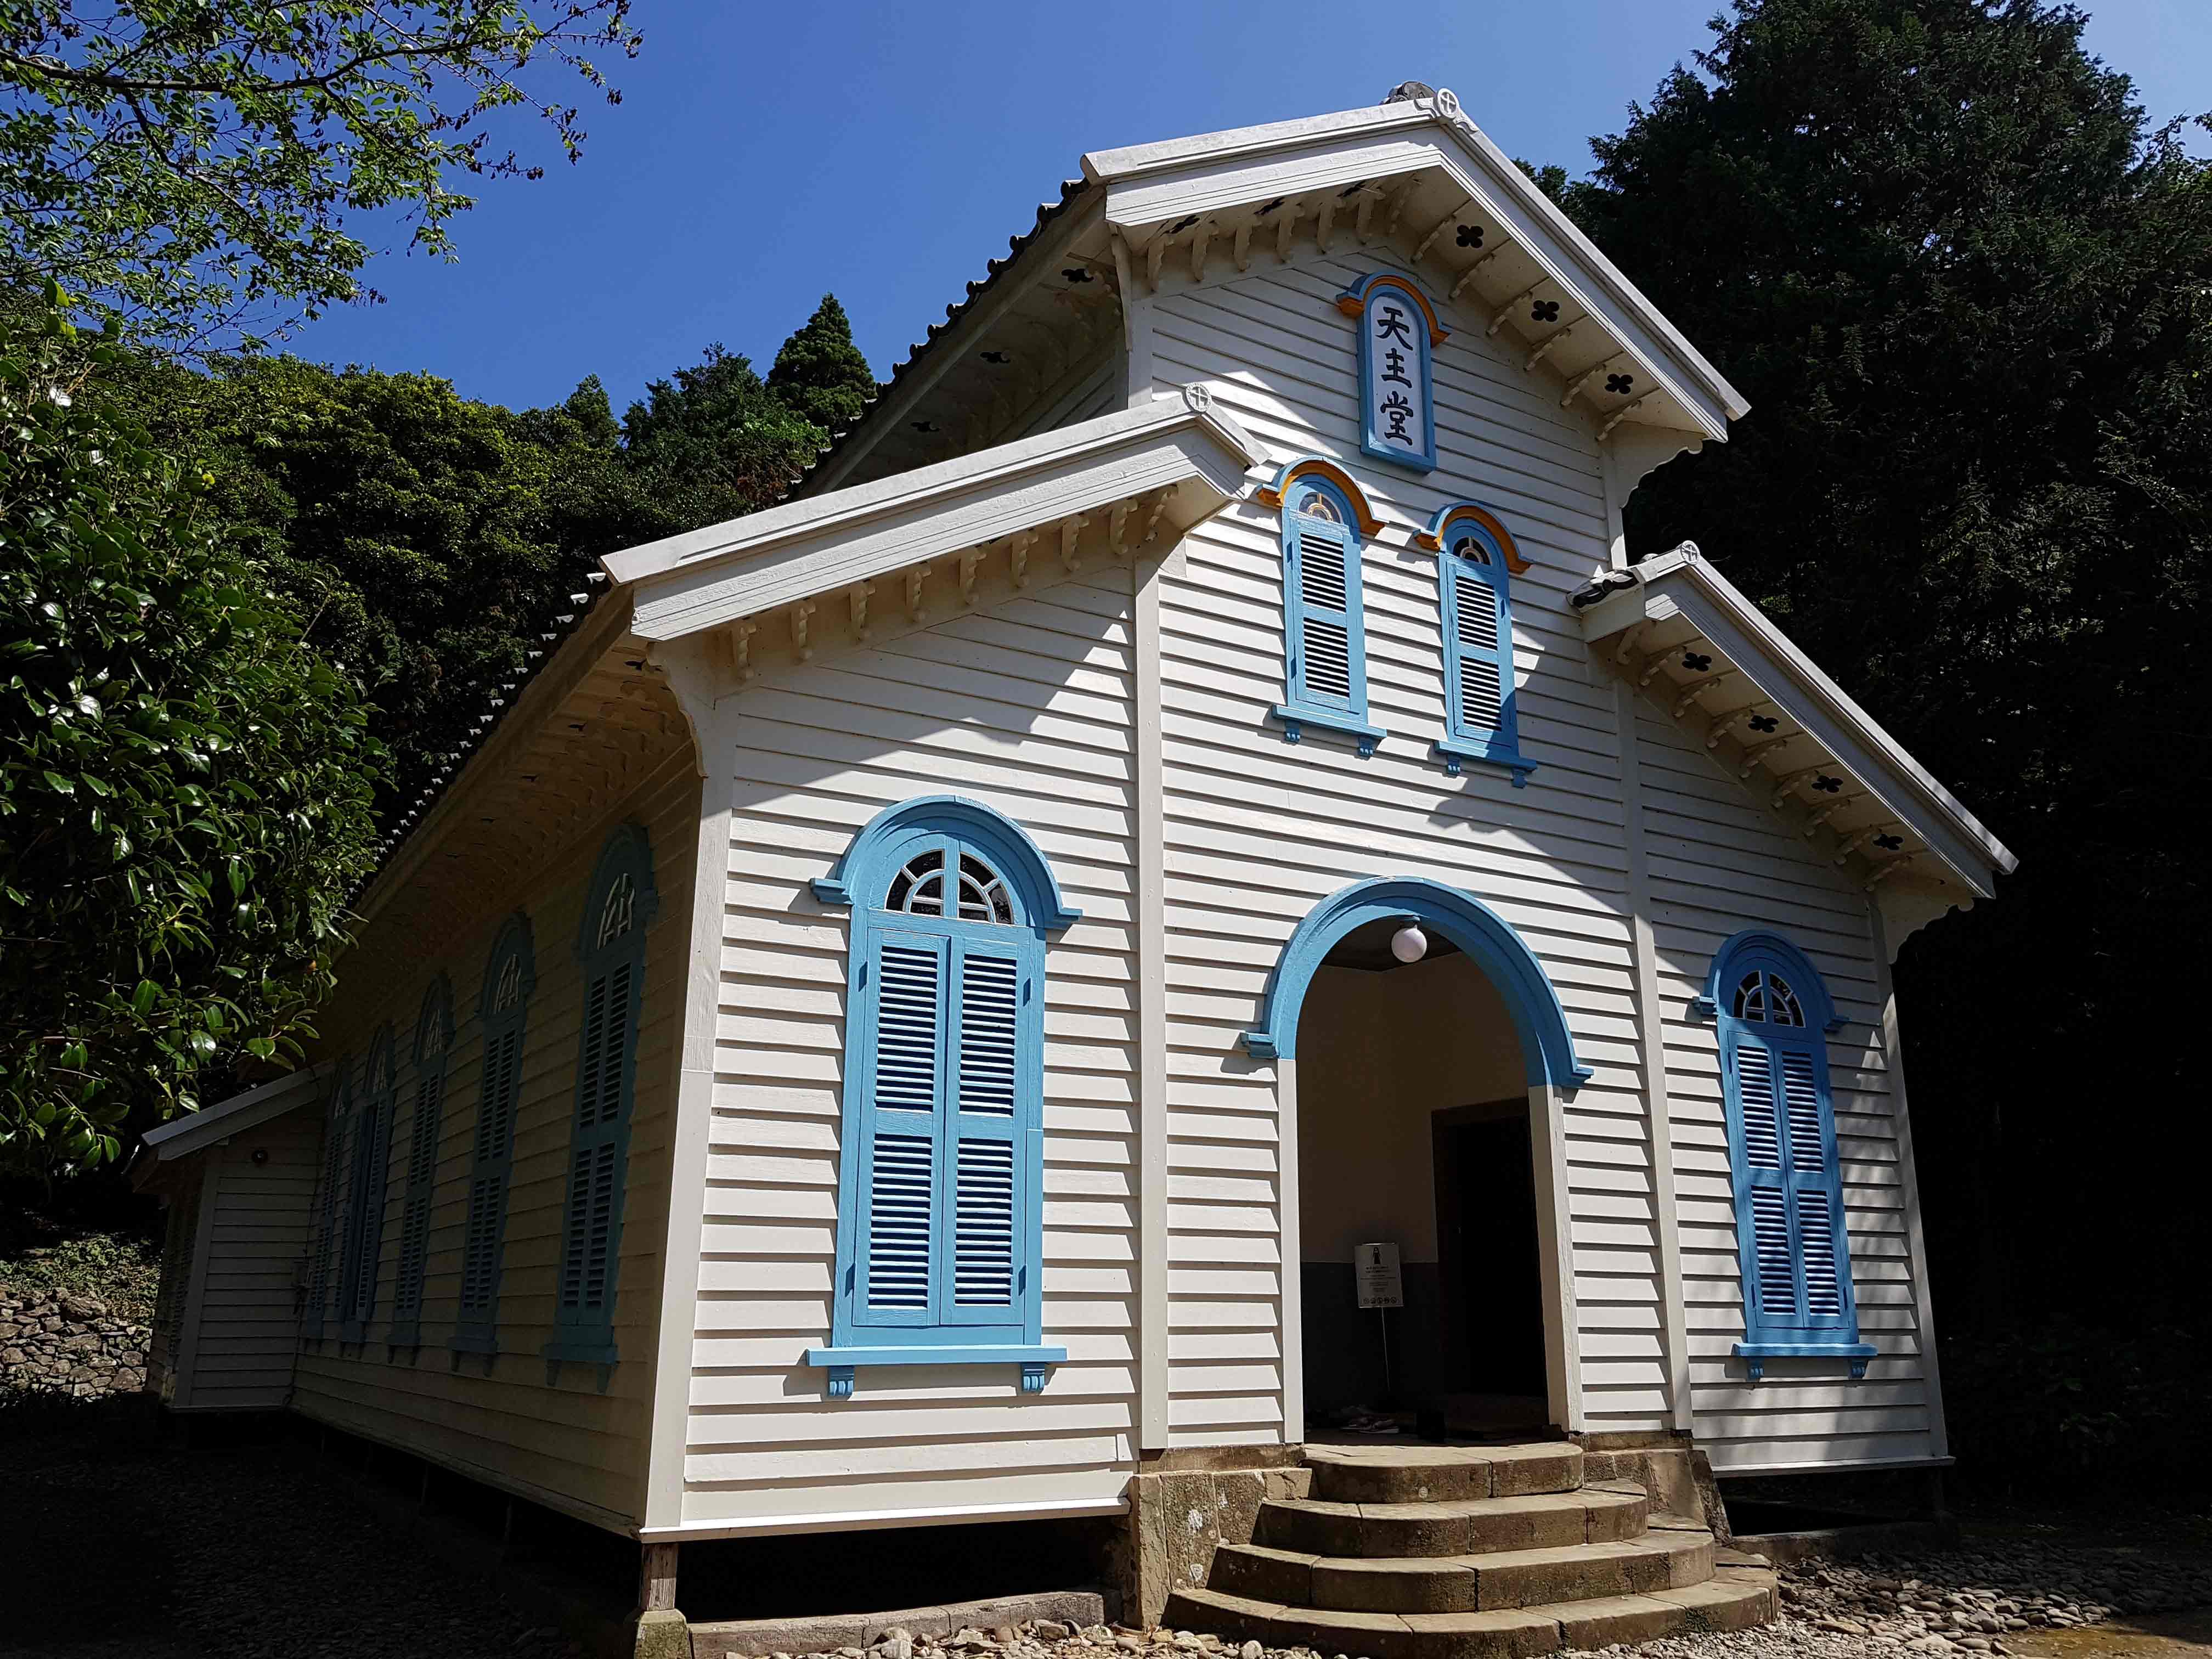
(66,1342)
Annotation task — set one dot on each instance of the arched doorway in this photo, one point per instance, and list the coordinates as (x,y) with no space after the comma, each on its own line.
(1419,1073)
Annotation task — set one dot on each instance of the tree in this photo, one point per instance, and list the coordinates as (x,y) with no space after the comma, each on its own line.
(712,443)
(1966,293)
(427,538)
(190,164)
(820,373)
(185,784)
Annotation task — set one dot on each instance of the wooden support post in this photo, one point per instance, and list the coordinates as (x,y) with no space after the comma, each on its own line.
(656,1577)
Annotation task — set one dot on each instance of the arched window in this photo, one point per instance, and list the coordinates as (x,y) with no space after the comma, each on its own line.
(337,1121)
(618,907)
(1475,563)
(940,1231)
(503,1010)
(1324,516)
(372,1161)
(433,1043)
(1774,1016)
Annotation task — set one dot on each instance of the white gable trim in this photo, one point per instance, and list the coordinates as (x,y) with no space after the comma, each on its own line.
(1681,586)
(197,1131)
(707,577)
(1150,185)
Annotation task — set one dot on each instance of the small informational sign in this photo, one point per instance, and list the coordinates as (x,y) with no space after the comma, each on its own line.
(1381,1282)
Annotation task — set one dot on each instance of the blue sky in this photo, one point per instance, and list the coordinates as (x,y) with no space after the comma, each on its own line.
(765,155)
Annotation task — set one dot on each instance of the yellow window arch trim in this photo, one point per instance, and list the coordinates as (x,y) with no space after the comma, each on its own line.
(1352,302)
(1455,513)
(1277,492)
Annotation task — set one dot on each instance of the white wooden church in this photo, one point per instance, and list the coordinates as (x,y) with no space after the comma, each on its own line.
(910,1011)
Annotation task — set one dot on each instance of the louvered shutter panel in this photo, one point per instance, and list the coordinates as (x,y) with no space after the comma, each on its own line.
(422,1181)
(1763,1204)
(980,1278)
(375,1164)
(1327,668)
(595,1151)
(487,1212)
(1790,1192)
(318,1287)
(901,1127)
(1478,639)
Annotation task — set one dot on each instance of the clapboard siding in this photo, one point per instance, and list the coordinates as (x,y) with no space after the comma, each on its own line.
(1024,706)
(248,1327)
(1720,861)
(1258,831)
(559,1439)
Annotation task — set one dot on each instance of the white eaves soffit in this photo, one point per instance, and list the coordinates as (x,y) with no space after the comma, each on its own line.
(1100,488)
(1677,629)
(1418,171)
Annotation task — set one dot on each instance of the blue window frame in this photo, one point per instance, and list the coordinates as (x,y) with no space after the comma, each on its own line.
(336,1121)
(619,906)
(940,1232)
(1475,559)
(503,1012)
(1324,516)
(365,1192)
(1774,1015)
(433,1045)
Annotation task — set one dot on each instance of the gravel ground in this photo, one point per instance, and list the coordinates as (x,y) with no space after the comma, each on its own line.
(115,1550)
(118,1550)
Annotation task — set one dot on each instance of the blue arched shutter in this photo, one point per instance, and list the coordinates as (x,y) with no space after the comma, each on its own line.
(945,1110)
(510,976)
(611,945)
(364,1243)
(1324,616)
(1474,594)
(433,1041)
(1792,1245)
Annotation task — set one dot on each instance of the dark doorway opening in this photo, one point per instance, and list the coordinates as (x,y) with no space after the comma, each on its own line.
(1491,1273)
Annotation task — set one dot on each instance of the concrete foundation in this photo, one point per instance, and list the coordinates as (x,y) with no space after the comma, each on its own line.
(1179,1516)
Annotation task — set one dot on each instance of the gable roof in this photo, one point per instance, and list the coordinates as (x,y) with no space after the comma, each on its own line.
(197,1131)
(1414,172)
(1694,641)
(1417,165)
(1165,464)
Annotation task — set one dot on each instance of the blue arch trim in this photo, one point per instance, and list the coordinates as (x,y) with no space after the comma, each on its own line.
(628,850)
(515,933)
(1547,1045)
(863,875)
(1756,944)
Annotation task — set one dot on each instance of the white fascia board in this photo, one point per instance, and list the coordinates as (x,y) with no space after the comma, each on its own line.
(1152,183)
(196,1131)
(692,582)
(1681,583)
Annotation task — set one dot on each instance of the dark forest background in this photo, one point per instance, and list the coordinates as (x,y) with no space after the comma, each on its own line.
(1966,286)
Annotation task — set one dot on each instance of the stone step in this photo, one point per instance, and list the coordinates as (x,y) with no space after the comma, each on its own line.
(1739,1599)
(1423,1474)
(1472,1526)
(1490,1582)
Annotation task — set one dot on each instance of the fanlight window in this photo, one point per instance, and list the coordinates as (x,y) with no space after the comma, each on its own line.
(980,893)
(1317,504)
(510,985)
(618,913)
(1766,998)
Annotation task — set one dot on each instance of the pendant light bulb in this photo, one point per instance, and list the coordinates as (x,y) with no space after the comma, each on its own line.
(1409,944)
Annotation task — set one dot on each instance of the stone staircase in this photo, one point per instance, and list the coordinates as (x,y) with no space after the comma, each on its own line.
(1470,1552)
